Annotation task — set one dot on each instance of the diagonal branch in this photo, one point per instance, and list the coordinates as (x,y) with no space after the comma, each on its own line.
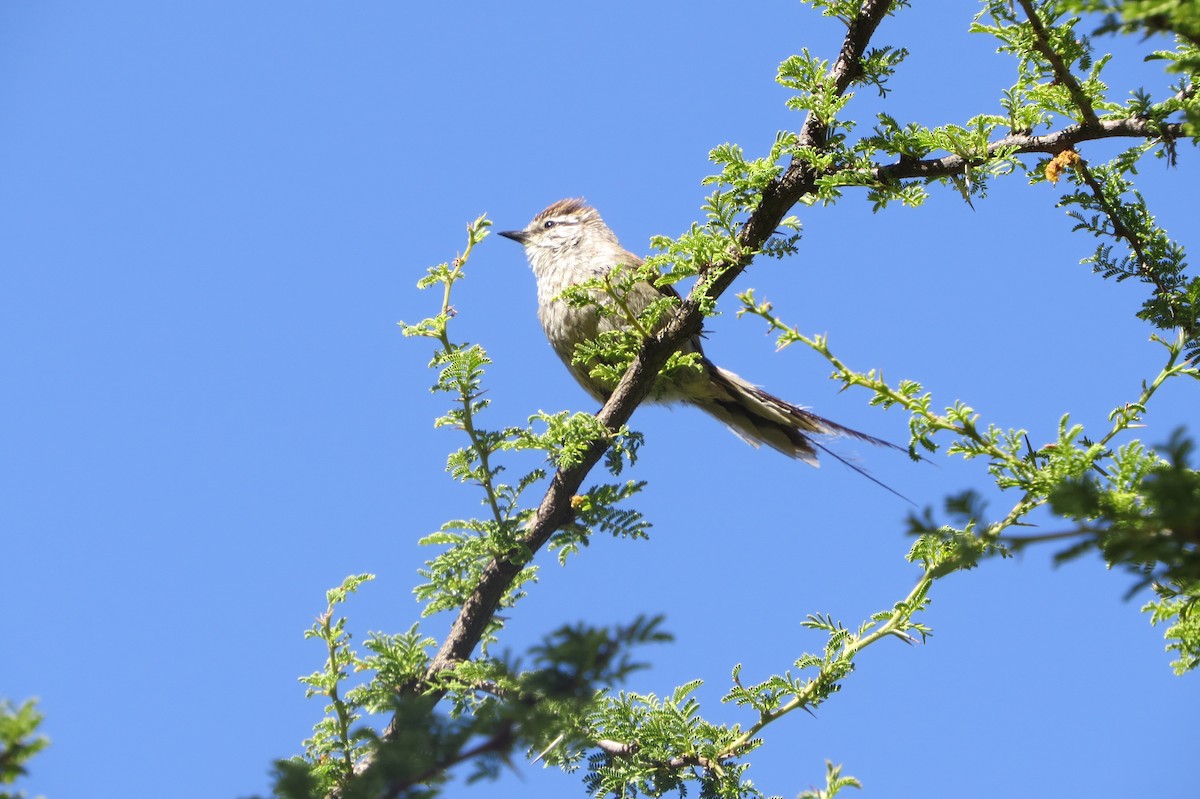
(1062,73)
(1119,229)
(500,742)
(555,509)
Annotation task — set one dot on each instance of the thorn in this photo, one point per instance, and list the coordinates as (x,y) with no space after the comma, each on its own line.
(546,751)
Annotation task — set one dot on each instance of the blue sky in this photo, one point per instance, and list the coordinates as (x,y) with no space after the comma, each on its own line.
(212,216)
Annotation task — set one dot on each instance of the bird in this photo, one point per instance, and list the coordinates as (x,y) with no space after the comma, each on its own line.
(567,244)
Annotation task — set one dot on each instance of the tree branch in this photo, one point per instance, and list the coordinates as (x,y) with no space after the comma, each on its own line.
(1062,73)
(799,179)
(1119,228)
(619,749)
(555,509)
(1050,143)
(500,741)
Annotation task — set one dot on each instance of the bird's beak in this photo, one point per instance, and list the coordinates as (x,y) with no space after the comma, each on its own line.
(519,236)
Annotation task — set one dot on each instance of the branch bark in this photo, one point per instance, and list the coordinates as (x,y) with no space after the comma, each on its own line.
(1050,143)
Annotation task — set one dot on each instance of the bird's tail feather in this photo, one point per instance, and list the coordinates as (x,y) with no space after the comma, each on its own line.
(760,418)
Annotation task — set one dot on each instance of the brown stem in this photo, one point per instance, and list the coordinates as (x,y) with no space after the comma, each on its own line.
(1062,73)
(1129,127)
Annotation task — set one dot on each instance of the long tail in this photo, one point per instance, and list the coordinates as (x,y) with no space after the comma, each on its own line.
(760,418)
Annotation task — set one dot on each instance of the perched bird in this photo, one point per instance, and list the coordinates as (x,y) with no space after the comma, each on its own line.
(567,244)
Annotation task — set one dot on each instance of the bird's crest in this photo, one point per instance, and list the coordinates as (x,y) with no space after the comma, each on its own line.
(571,205)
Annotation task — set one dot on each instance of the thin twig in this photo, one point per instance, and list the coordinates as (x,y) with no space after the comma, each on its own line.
(1062,73)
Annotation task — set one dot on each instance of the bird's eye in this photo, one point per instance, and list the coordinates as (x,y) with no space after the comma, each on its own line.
(549,223)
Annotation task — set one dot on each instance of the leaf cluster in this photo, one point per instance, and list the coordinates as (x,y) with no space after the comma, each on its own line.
(1146,511)
(1175,18)
(651,746)
(19,742)
(496,706)
(1107,205)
